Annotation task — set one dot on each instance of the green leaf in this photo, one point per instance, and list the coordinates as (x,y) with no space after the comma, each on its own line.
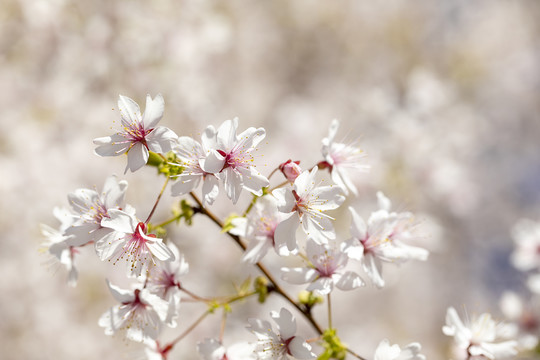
(227,225)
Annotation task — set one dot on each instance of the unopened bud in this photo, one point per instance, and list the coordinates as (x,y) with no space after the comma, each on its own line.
(291,169)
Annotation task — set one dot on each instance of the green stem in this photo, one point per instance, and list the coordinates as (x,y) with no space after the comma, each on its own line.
(329,311)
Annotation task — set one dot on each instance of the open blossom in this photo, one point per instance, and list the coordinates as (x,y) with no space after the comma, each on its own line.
(325,271)
(130,242)
(139,133)
(140,314)
(230,158)
(164,281)
(259,227)
(90,207)
(385,351)
(342,158)
(307,204)
(57,243)
(212,349)
(526,255)
(278,345)
(381,240)
(479,338)
(191,154)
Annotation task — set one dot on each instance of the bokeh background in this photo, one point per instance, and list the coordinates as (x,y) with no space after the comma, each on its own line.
(444,96)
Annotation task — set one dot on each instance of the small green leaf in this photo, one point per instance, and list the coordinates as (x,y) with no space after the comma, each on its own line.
(261,287)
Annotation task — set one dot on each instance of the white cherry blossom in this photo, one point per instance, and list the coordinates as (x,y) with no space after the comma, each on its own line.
(341,159)
(279,345)
(57,243)
(230,158)
(191,153)
(259,227)
(524,317)
(130,242)
(90,207)
(307,204)
(479,338)
(326,270)
(385,351)
(139,133)
(164,281)
(140,314)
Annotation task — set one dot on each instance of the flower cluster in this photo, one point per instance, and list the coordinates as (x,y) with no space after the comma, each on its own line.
(224,159)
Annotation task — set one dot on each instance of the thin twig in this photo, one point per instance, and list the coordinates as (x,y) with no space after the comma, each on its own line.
(157,201)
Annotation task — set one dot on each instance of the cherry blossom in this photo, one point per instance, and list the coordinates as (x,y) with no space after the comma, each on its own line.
(382,239)
(325,271)
(307,204)
(385,351)
(164,281)
(230,158)
(140,314)
(139,133)
(191,154)
(57,243)
(91,207)
(342,158)
(280,344)
(480,337)
(130,242)
(259,227)
(212,349)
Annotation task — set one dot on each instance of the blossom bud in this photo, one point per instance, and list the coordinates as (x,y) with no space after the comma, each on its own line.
(290,169)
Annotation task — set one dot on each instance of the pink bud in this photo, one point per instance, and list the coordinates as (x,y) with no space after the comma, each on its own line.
(290,169)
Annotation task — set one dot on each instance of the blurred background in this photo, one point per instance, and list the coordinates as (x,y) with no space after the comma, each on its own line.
(443,96)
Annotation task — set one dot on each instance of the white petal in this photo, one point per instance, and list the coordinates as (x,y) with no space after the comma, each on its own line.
(210,189)
(285,322)
(298,275)
(285,233)
(185,183)
(121,295)
(160,250)
(226,135)
(111,145)
(114,192)
(253,181)
(120,221)
(300,349)
(323,285)
(161,140)
(108,245)
(328,197)
(213,163)
(129,110)
(284,199)
(353,248)
(153,111)
(232,183)
(373,267)
(250,138)
(211,349)
(261,328)
(349,281)
(256,250)
(358,225)
(137,157)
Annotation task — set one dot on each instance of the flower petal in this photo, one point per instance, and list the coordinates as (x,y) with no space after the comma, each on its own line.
(137,157)
(349,281)
(285,233)
(153,111)
(129,110)
(300,275)
(300,349)
(161,140)
(285,322)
